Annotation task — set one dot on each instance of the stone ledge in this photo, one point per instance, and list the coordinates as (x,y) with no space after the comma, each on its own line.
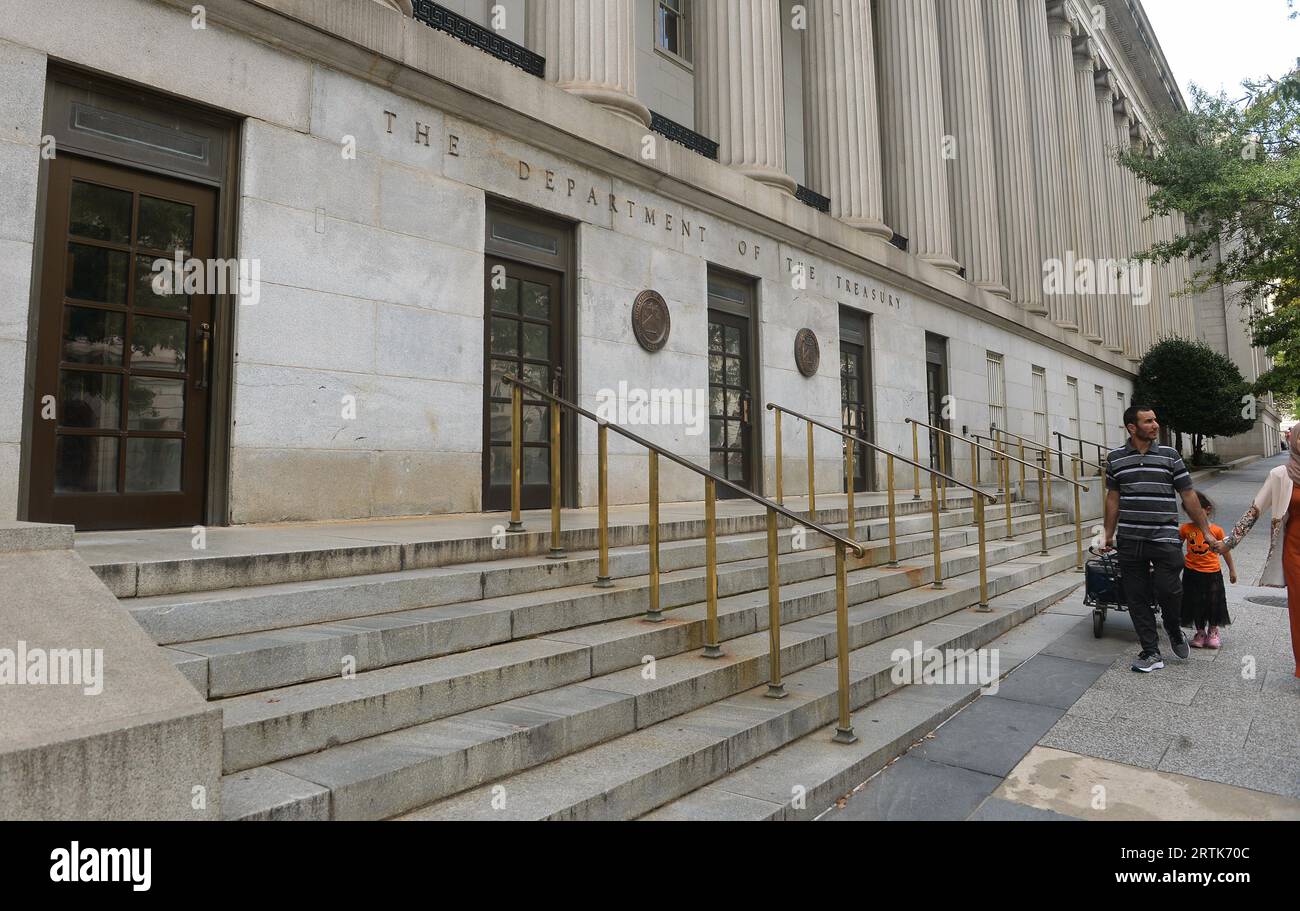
(21,536)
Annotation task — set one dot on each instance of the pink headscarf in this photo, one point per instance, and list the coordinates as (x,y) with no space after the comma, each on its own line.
(1293,467)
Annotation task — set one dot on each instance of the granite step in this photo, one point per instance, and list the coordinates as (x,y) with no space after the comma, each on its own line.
(240,558)
(263,727)
(192,616)
(390,773)
(640,771)
(249,662)
(803,779)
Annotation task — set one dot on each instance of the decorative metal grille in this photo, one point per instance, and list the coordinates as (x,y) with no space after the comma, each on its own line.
(810,198)
(684,136)
(485,39)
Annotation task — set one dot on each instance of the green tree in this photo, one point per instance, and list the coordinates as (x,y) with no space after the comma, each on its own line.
(1195,390)
(1233,167)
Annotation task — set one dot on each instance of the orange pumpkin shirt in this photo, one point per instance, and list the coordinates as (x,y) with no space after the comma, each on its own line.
(1199,556)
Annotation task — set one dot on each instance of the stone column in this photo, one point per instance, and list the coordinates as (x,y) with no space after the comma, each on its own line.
(1092,306)
(842,114)
(1022,261)
(1185,276)
(590,50)
(1154,323)
(1125,219)
(916,185)
(972,178)
(1078,217)
(739,96)
(1087,66)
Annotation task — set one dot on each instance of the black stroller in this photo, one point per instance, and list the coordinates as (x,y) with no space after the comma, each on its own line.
(1103,588)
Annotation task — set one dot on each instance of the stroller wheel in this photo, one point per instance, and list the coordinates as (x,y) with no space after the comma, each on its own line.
(1098,621)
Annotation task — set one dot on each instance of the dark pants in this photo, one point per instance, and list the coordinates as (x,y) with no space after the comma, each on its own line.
(1144,565)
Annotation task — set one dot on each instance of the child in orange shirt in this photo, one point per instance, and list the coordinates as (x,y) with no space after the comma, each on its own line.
(1205,602)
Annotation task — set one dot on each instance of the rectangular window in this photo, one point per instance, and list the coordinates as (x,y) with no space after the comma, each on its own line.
(1072,404)
(1040,405)
(997,391)
(673,28)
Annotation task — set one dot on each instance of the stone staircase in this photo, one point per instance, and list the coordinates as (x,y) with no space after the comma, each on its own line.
(475,678)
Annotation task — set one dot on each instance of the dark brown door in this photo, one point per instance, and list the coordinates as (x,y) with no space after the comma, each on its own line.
(122,375)
(936,388)
(855,395)
(853,409)
(524,335)
(731,405)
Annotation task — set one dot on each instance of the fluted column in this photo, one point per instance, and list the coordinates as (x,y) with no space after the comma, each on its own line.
(1125,226)
(972,178)
(1184,269)
(1065,309)
(590,50)
(1091,95)
(739,96)
(1022,262)
(916,185)
(842,113)
(1155,330)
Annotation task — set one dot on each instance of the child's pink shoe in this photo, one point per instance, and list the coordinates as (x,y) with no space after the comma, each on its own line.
(1213,641)
(1198,641)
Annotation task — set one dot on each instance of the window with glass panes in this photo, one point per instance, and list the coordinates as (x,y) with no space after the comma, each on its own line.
(674,27)
(997,388)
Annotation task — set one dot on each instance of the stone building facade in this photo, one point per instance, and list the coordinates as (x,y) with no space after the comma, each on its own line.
(412,199)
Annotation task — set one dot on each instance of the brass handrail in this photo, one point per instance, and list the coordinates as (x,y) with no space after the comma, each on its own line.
(1005,469)
(712,648)
(1101,448)
(978,499)
(991,449)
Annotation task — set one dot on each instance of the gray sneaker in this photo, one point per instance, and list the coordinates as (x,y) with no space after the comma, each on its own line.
(1181,648)
(1145,664)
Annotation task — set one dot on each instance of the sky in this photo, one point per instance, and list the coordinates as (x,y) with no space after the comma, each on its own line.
(1217,43)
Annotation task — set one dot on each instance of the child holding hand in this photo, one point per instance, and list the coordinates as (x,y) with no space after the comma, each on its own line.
(1205,603)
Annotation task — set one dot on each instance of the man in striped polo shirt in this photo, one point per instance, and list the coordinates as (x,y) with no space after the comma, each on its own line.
(1144,481)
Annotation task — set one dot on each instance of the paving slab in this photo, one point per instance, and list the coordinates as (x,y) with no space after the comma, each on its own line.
(996,809)
(917,789)
(1050,681)
(990,736)
(1098,789)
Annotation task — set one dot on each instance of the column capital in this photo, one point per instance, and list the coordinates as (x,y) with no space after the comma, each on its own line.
(1107,85)
(1060,20)
(1085,53)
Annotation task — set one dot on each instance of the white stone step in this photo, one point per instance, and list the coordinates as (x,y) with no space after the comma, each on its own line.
(804,778)
(193,616)
(250,662)
(394,772)
(267,556)
(638,772)
(275,724)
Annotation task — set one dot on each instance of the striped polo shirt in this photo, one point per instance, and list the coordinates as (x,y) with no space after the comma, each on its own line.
(1148,486)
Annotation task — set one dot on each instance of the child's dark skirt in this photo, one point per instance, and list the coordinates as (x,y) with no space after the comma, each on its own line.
(1205,603)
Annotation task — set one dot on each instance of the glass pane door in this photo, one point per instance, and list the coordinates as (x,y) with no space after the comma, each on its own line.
(123,348)
(523,340)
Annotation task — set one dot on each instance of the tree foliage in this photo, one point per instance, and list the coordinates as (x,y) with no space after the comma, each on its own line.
(1233,167)
(1195,390)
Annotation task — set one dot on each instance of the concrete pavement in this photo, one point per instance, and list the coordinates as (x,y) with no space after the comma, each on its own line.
(1073,734)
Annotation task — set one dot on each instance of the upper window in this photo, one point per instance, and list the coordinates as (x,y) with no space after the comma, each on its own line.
(673,28)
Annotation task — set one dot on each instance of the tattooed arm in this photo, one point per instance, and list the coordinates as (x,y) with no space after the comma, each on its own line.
(1242,528)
